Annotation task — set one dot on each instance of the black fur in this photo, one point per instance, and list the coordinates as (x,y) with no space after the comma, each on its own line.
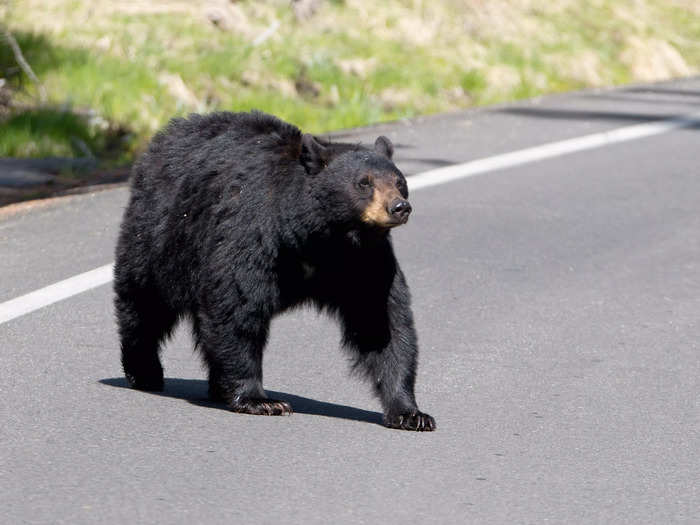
(235,217)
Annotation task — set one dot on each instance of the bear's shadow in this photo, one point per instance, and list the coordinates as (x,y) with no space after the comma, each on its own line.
(195,391)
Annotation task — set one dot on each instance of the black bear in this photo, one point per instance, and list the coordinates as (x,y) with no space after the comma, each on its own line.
(235,217)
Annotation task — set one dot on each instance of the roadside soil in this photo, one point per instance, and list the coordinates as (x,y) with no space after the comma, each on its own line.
(56,185)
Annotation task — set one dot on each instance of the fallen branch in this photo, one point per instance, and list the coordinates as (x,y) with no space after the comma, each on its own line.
(21,61)
(267,33)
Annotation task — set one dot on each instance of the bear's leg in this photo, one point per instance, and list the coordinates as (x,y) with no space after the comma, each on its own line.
(391,369)
(380,331)
(143,323)
(233,354)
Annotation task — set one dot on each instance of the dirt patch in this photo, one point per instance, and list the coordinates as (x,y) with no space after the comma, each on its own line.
(62,185)
(653,59)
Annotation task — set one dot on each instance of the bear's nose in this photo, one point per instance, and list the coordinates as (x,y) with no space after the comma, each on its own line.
(400,209)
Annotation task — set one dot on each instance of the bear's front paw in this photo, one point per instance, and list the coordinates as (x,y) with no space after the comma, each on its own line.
(411,420)
(148,382)
(260,406)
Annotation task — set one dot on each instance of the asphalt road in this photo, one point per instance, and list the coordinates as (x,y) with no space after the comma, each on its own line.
(557,305)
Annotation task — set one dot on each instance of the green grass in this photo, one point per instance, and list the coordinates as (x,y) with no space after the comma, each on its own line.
(129,68)
(45,133)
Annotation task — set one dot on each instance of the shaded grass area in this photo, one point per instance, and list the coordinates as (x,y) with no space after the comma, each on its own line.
(60,130)
(116,72)
(44,133)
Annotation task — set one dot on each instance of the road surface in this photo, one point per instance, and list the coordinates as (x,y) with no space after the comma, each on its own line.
(557,305)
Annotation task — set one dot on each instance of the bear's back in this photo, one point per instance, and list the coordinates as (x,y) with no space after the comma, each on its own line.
(199,144)
(238,127)
(205,169)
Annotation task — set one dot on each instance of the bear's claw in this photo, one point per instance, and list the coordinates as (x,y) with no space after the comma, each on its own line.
(414,420)
(261,406)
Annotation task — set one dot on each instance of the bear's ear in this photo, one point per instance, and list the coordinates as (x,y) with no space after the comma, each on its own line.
(313,156)
(383,146)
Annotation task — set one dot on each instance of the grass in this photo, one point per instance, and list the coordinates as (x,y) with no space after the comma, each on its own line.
(46,132)
(117,71)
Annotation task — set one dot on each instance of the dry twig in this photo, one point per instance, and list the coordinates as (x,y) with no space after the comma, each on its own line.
(22,62)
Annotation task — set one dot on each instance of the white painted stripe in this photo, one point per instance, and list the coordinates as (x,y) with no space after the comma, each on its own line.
(55,292)
(87,281)
(548,151)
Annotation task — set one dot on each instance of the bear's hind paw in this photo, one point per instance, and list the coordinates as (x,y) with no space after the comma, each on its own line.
(261,406)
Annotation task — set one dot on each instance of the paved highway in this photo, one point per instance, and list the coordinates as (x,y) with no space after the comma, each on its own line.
(557,304)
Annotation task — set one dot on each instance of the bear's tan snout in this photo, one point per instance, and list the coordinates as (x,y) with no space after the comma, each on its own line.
(387,208)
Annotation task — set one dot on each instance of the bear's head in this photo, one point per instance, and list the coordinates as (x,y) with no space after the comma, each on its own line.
(358,186)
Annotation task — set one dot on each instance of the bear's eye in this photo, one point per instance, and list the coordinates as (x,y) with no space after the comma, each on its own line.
(364,182)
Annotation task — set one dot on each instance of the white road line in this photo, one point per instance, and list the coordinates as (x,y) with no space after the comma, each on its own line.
(53,293)
(548,151)
(87,281)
